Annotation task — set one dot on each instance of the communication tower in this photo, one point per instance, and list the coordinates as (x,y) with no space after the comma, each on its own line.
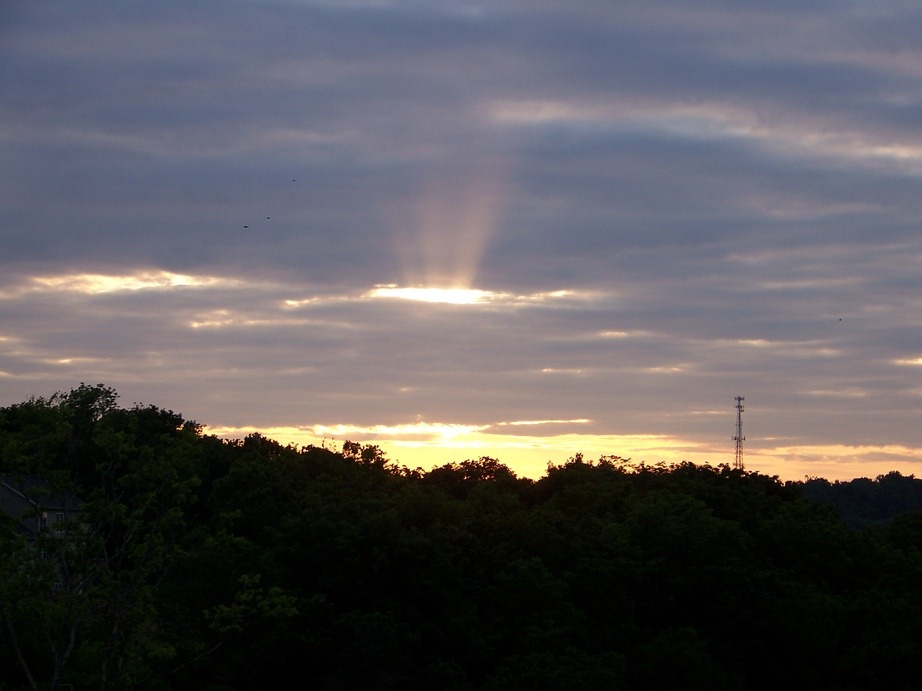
(739,438)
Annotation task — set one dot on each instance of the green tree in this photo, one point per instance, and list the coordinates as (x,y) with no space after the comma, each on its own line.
(78,601)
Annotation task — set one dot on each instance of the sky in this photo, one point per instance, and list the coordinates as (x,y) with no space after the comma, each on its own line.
(522,230)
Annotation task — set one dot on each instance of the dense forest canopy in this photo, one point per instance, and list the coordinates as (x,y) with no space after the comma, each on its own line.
(186,561)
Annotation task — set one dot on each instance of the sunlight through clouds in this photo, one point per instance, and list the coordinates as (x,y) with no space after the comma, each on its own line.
(794,134)
(787,348)
(910,362)
(434,430)
(225,318)
(474,296)
(581,228)
(94,284)
(451,296)
(102,284)
(535,423)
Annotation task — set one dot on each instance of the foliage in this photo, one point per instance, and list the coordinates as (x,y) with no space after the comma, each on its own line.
(864,503)
(200,563)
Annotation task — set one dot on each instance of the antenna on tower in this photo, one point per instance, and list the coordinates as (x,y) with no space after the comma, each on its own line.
(739,438)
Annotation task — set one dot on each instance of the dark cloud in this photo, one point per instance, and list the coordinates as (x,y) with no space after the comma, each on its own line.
(198,199)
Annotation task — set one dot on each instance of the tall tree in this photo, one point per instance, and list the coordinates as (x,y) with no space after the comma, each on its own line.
(78,598)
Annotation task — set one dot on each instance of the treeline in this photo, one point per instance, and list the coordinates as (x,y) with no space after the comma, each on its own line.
(863,503)
(206,564)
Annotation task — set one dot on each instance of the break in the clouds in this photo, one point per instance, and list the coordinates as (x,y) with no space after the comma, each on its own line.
(523,230)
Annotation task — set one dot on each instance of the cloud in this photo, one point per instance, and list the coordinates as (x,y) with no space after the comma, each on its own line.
(94,284)
(368,213)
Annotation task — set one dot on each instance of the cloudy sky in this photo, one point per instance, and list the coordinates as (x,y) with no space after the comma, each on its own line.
(455,229)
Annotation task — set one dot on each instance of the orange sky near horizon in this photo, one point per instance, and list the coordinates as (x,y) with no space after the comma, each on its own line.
(528,456)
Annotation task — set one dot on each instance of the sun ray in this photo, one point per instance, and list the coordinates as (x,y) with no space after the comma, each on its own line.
(451,296)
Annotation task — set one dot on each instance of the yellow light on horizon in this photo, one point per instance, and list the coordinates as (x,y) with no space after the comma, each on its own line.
(429,444)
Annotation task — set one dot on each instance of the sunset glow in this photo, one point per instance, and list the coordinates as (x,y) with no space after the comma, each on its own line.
(142,280)
(475,228)
(428,444)
(451,296)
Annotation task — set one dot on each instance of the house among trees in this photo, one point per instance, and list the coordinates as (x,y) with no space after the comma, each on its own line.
(33,506)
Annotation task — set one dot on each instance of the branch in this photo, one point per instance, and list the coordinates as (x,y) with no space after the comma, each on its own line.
(19,656)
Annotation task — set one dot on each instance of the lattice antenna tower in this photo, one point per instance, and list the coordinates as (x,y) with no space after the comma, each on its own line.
(739,438)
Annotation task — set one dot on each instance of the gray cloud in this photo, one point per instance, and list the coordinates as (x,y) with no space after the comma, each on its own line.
(732,193)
